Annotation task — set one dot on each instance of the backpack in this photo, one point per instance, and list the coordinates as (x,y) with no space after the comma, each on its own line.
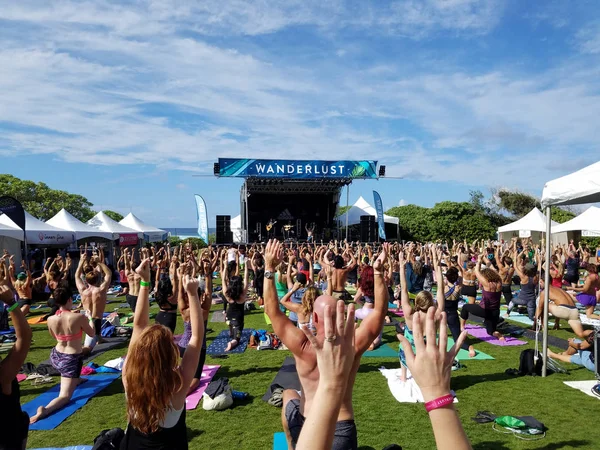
(109,439)
(519,426)
(527,365)
(266,343)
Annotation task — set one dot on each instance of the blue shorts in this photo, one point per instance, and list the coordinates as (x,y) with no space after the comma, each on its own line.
(584,358)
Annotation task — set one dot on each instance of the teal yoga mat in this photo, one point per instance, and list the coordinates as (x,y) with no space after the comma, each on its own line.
(279,441)
(463,355)
(384,351)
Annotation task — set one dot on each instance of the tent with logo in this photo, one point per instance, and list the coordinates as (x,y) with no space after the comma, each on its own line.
(65,220)
(41,233)
(151,234)
(576,188)
(126,236)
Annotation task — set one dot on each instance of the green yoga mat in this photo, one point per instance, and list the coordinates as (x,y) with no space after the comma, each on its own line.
(384,351)
(463,355)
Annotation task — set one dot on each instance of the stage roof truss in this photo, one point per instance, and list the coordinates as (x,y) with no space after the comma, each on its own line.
(287,186)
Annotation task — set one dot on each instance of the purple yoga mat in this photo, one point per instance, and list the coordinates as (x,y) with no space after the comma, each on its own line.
(481,334)
(192,400)
(398,313)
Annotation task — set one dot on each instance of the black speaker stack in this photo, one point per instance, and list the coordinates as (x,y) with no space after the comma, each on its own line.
(224,234)
(368,229)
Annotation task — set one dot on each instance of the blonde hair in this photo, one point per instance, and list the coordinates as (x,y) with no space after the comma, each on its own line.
(152,377)
(423,301)
(308,300)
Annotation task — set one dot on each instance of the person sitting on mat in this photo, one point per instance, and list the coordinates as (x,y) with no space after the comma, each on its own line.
(155,380)
(235,290)
(579,352)
(587,293)
(561,306)
(430,366)
(296,407)
(14,422)
(423,301)
(489,306)
(66,357)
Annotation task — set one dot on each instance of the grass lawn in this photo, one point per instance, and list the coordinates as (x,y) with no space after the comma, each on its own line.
(381,420)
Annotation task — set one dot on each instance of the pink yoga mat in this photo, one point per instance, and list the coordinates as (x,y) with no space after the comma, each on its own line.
(192,400)
(481,334)
(21,377)
(398,313)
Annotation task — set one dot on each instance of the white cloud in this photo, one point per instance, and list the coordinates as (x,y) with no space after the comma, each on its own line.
(402,202)
(588,38)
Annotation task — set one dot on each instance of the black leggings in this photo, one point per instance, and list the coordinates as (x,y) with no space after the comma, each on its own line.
(168,319)
(507,293)
(491,317)
(454,322)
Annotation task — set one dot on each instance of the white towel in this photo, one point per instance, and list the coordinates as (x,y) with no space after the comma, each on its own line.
(594,322)
(583,386)
(407,391)
(116,363)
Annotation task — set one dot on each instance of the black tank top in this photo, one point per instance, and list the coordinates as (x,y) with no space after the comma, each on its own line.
(13,423)
(174,438)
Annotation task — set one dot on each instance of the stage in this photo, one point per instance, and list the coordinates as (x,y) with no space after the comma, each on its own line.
(292,195)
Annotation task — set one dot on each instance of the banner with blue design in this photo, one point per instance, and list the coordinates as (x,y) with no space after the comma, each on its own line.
(202,219)
(379,210)
(272,168)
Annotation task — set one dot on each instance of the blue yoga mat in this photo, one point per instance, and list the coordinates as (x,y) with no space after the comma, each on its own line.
(11,330)
(74,447)
(279,441)
(217,347)
(81,396)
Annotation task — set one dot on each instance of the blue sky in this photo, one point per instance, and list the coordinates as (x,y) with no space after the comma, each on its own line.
(128,102)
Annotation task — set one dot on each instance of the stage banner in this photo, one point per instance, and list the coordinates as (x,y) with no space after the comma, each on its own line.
(14,210)
(272,168)
(202,219)
(379,210)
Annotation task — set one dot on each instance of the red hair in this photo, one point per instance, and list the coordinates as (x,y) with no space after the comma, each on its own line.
(367,281)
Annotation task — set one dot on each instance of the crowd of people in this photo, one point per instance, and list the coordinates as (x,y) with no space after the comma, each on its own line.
(303,289)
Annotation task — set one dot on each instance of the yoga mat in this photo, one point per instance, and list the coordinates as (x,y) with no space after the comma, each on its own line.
(218,316)
(192,400)
(80,397)
(74,447)
(287,378)
(481,334)
(217,347)
(21,377)
(392,305)
(593,322)
(524,319)
(398,313)
(37,320)
(383,351)
(267,320)
(11,330)
(583,386)
(279,441)
(463,355)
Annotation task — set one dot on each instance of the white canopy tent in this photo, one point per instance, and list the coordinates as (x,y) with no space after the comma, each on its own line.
(576,188)
(588,222)
(363,208)
(41,233)
(9,229)
(236,229)
(11,237)
(104,223)
(532,225)
(151,234)
(65,220)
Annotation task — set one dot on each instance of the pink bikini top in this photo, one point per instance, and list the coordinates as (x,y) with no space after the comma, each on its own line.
(67,337)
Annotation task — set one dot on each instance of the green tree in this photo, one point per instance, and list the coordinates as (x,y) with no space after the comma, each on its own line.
(113,215)
(459,220)
(212,238)
(195,242)
(414,222)
(561,215)
(39,200)
(341,210)
(516,203)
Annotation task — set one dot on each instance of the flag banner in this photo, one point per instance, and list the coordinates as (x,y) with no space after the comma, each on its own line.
(379,210)
(14,210)
(272,168)
(202,218)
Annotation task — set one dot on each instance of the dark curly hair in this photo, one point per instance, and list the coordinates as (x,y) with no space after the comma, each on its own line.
(452,275)
(235,289)
(164,290)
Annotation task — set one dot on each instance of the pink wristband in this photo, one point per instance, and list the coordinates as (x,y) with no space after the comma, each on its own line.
(439,402)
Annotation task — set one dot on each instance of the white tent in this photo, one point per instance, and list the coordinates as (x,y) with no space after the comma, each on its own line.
(532,225)
(41,233)
(11,237)
(9,229)
(151,234)
(363,208)
(588,222)
(236,229)
(579,187)
(63,219)
(126,235)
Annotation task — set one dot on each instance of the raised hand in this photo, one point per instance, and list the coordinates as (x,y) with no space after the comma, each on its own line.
(335,352)
(432,365)
(143,270)
(273,254)
(6,295)
(379,264)
(190,284)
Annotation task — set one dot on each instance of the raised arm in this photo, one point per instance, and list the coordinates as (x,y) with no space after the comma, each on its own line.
(441,297)
(404,298)
(290,335)
(79,272)
(372,325)
(482,280)
(286,300)
(10,366)
(107,276)
(141,318)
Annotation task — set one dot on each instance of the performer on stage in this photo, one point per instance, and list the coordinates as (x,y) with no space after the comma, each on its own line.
(271,228)
(309,231)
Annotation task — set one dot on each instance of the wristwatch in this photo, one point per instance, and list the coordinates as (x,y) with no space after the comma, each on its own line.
(269,275)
